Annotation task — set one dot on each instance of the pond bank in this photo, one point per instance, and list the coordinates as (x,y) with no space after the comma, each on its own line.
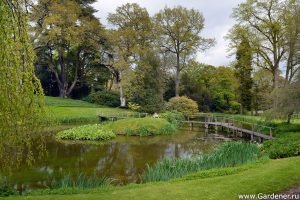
(268,177)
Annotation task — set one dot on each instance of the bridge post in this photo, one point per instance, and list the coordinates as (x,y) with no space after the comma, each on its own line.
(191,125)
(271,134)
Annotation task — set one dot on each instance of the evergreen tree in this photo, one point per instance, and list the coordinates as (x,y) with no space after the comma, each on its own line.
(147,88)
(243,71)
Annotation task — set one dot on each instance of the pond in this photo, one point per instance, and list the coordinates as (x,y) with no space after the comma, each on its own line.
(123,160)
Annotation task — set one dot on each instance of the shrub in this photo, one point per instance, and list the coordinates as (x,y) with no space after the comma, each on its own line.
(87,132)
(182,104)
(235,107)
(230,154)
(104,98)
(7,190)
(134,106)
(173,117)
(282,148)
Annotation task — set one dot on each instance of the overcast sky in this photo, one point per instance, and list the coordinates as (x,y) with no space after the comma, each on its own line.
(217,21)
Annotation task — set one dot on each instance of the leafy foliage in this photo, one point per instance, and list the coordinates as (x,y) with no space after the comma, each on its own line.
(87,132)
(69,47)
(286,143)
(173,117)
(282,148)
(214,88)
(182,104)
(134,106)
(6,189)
(21,96)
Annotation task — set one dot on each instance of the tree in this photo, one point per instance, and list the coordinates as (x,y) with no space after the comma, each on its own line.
(147,86)
(264,21)
(292,21)
(179,31)
(286,101)
(131,36)
(214,88)
(262,88)
(66,37)
(244,73)
(21,96)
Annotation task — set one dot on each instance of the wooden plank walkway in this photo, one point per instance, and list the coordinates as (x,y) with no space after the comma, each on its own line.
(208,123)
(251,133)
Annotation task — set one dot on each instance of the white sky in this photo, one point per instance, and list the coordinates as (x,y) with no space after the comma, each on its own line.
(217,21)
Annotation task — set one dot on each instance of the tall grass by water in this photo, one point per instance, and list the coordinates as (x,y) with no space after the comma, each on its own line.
(81,182)
(229,154)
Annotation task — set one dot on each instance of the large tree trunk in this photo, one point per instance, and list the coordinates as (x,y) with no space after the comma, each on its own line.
(119,84)
(62,92)
(122,97)
(63,80)
(276,77)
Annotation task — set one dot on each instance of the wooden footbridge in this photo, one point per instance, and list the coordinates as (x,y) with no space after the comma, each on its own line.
(239,127)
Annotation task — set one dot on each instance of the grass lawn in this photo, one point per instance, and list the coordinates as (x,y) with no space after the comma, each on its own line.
(69,110)
(272,176)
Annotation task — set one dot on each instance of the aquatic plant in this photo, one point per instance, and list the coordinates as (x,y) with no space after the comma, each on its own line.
(87,132)
(229,154)
(80,182)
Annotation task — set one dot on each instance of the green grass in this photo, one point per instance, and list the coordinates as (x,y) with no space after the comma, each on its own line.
(75,111)
(63,102)
(141,126)
(229,154)
(87,132)
(268,177)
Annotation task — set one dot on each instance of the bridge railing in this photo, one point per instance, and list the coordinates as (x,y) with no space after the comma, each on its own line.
(243,124)
(260,128)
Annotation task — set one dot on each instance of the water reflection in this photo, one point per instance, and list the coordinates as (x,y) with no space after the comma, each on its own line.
(123,159)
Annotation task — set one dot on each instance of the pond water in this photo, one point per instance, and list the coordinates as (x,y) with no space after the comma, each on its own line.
(123,159)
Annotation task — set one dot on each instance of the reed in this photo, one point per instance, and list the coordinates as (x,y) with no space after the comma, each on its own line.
(80,182)
(229,154)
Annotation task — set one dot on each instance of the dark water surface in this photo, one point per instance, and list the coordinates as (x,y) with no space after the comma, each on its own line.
(123,159)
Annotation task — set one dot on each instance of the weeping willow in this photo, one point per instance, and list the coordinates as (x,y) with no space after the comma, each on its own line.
(21,96)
